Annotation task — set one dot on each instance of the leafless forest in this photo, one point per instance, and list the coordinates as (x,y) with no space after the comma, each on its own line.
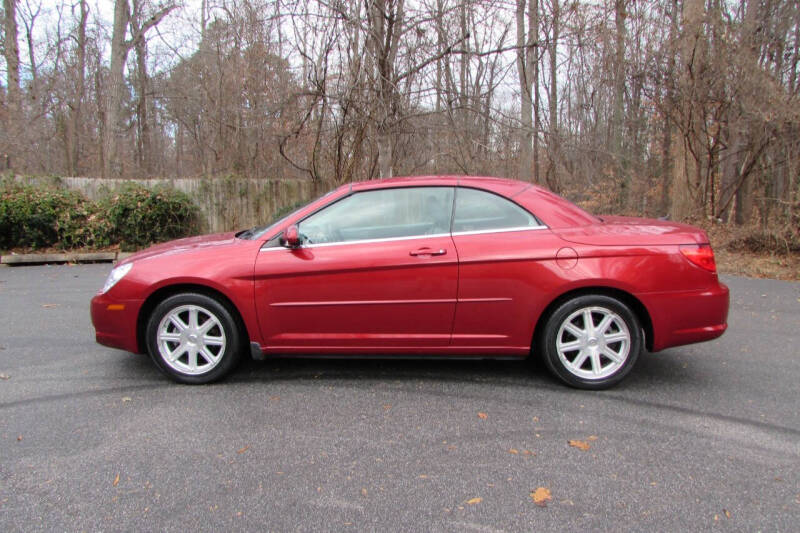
(680,107)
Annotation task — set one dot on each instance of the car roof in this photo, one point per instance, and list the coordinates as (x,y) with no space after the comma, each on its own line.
(503,186)
(553,210)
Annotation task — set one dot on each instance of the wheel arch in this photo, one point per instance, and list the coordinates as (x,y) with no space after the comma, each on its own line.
(165,292)
(625,297)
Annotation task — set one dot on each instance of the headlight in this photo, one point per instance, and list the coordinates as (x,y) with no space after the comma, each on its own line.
(116,274)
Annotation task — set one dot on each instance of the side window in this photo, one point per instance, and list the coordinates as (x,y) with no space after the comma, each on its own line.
(483,211)
(381,214)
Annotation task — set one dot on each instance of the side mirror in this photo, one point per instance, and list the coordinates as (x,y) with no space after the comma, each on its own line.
(291,237)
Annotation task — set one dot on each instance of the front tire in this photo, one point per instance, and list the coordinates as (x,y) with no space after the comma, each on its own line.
(591,342)
(193,338)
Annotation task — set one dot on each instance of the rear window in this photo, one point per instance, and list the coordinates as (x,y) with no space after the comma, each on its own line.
(484,211)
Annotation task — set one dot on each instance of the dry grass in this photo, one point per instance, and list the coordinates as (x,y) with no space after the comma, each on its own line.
(777,263)
(786,267)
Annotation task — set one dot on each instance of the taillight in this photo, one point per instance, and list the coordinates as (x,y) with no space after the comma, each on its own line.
(701,255)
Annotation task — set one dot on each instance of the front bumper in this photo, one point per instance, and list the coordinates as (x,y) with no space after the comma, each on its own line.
(115,322)
(686,317)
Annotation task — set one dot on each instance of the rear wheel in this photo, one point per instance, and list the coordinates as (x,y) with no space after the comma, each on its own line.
(193,338)
(591,342)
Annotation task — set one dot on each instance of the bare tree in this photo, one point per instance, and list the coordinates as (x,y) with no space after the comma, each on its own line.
(686,106)
(120,47)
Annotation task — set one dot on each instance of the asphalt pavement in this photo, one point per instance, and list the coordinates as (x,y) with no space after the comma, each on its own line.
(701,437)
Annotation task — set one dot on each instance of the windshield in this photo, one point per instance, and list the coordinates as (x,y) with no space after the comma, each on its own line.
(280,216)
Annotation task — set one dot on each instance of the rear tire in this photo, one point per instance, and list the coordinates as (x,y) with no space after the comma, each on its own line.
(591,342)
(193,338)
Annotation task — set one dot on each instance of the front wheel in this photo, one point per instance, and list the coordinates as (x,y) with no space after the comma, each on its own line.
(193,338)
(591,341)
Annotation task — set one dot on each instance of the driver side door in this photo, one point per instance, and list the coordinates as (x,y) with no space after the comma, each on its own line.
(377,271)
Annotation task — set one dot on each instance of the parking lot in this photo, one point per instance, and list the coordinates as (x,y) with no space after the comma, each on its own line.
(698,437)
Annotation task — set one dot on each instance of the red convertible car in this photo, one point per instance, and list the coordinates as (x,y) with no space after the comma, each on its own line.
(436,266)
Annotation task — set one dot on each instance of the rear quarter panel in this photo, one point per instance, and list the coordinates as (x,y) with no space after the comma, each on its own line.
(525,281)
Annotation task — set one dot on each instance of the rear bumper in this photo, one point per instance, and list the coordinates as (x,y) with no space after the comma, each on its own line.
(114,322)
(686,317)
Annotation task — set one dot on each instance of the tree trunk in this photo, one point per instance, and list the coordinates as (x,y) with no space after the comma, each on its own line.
(667,171)
(116,90)
(686,168)
(552,173)
(384,141)
(386,24)
(619,102)
(14,95)
(527,72)
(533,61)
(74,138)
(143,83)
(525,82)
(750,40)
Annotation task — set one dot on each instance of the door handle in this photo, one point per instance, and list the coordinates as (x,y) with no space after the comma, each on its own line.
(427,251)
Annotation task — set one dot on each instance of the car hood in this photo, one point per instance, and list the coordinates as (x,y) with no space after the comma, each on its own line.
(183,245)
(621,231)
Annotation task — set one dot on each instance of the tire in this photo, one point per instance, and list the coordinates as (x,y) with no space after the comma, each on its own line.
(193,338)
(588,358)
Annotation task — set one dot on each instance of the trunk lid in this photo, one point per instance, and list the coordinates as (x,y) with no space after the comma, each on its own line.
(626,231)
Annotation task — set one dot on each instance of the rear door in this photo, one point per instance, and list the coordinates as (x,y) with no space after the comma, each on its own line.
(506,265)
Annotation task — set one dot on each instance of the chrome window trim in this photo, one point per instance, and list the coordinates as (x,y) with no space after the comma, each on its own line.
(498,230)
(412,237)
(360,241)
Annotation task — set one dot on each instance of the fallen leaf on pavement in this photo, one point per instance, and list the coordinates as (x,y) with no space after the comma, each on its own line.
(514,451)
(727,513)
(242,450)
(116,481)
(473,501)
(592,437)
(483,416)
(541,496)
(580,444)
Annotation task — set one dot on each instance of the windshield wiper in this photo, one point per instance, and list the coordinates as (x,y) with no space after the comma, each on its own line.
(245,234)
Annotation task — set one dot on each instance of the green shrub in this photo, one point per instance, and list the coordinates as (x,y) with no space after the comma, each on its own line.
(141,216)
(40,217)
